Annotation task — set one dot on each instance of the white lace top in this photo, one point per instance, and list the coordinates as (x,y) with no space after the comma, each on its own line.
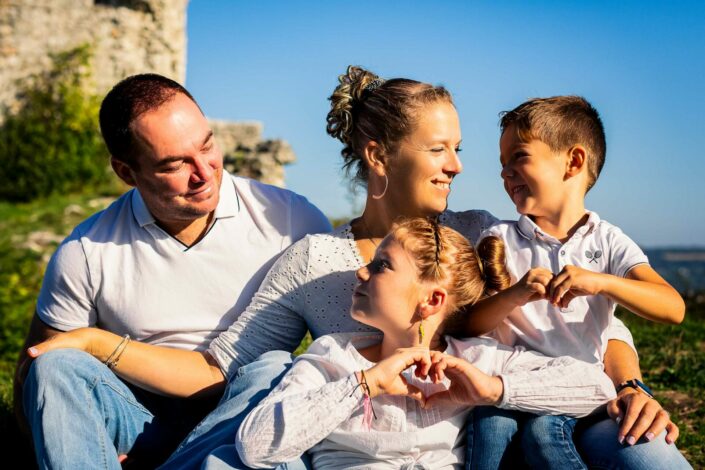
(318,406)
(310,288)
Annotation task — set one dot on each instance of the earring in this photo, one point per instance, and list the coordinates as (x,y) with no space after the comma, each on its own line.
(386,184)
(421,332)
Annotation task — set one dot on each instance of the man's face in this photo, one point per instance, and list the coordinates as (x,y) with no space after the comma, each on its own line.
(180,167)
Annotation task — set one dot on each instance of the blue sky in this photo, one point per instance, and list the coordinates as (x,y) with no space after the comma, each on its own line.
(642,64)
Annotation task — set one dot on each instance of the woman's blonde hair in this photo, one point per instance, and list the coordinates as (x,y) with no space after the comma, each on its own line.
(366,108)
(444,256)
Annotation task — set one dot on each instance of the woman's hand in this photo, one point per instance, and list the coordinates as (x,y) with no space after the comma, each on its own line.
(90,340)
(638,415)
(385,377)
(468,384)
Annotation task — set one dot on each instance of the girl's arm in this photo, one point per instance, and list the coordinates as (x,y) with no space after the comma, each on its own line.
(642,291)
(299,413)
(159,369)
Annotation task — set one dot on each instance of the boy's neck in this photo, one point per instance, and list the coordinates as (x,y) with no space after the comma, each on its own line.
(563,223)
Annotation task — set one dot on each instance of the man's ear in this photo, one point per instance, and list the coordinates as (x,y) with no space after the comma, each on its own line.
(576,161)
(374,158)
(433,302)
(123,171)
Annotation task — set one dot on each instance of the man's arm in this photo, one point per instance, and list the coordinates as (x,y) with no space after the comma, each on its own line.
(636,413)
(38,332)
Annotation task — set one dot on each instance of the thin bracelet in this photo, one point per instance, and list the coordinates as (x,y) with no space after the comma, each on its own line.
(362,383)
(114,357)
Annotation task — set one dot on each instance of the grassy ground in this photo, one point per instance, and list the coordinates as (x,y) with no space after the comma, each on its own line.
(672,358)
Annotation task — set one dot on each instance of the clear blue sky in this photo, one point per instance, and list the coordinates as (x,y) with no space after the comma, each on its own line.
(641,63)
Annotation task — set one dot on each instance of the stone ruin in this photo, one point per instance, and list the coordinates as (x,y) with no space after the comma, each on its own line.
(128,37)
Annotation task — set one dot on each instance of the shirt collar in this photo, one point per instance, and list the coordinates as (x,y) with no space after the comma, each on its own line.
(228,204)
(528,229)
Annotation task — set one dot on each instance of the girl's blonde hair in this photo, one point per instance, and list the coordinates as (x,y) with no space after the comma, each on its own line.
(444,256)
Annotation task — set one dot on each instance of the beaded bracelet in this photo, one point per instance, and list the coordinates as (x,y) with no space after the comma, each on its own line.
(114,357)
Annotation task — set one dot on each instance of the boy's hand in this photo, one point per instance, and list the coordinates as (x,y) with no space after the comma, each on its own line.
(572,282)
(533,286)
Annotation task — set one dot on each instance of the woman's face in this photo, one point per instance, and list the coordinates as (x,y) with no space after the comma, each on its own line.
(421,171)
(388,289)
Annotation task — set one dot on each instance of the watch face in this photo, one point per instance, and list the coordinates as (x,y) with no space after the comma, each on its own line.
(643,386)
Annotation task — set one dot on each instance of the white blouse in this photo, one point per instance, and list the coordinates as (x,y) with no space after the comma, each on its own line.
(318,406)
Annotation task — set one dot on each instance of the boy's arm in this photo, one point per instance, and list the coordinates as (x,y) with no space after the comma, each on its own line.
(486,314)
(642,291)
(637,413)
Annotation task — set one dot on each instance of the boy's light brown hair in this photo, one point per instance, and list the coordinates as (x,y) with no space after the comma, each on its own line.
(561,122)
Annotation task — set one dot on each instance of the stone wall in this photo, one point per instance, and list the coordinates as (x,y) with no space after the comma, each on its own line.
(128,37)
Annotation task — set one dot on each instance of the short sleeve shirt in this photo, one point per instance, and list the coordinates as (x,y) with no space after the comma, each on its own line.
(583,328)
(119,271)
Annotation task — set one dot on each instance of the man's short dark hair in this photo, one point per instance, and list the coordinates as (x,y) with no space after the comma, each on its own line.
(561,122)
(128,100)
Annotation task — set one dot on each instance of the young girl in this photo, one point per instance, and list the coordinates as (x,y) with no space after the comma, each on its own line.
(399,400)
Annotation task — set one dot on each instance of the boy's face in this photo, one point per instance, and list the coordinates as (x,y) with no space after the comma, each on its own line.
(533,175)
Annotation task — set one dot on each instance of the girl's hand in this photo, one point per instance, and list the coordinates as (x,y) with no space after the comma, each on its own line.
(533,286)
(385,377)
(572,282)
(469,385)
(85,339)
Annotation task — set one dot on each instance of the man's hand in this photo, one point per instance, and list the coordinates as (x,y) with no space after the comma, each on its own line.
(638,415)
(81,338)
(572,282)
(468,384)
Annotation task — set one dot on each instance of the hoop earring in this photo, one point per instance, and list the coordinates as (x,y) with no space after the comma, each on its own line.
(386,185)
(421,332)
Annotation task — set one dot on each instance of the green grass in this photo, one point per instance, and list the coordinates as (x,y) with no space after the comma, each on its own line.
(672,357)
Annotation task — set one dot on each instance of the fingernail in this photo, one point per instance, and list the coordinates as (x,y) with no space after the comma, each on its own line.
(649,436)
(618,419)
(631,441)
(620,439)
(33,351)
(669,441)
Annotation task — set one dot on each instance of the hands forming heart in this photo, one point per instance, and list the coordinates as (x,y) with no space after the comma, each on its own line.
(469,385)
(559,289)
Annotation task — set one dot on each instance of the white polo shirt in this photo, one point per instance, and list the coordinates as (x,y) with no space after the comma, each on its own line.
(118,270)
(583,329)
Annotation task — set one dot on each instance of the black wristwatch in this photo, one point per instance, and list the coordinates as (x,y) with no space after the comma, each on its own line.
(637,384)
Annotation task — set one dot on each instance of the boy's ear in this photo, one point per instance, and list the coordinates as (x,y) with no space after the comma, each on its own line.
(374,158)
(577,160)
(123,171)
(433,302)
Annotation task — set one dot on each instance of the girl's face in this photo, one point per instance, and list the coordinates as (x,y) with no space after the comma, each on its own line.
(388,290)
(421,171)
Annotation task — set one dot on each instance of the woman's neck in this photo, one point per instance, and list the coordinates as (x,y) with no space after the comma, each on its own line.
(390,343)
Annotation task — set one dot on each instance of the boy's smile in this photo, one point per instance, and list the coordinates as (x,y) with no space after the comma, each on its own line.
(533,174)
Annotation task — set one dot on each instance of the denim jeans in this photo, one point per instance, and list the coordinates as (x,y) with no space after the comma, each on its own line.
(211,445)
(83,416)
(511,439)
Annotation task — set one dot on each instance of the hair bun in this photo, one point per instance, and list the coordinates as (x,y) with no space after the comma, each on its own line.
(352,85)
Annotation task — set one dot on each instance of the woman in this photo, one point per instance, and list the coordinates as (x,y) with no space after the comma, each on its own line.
(402,139)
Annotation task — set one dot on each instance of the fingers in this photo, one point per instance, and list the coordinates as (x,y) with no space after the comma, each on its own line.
(640,423)
(438,399)
(661,420)
(414,392)
(614,409)
(672,432)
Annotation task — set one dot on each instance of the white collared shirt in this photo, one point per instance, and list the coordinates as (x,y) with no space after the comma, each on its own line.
(120,271)
(583,329)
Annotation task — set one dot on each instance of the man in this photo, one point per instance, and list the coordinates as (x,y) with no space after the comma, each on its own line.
(172,262)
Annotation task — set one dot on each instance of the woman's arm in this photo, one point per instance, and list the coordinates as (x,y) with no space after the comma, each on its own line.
(637,413)
(162,370)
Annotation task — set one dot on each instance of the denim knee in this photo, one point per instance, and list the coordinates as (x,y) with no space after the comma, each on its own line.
(547,442)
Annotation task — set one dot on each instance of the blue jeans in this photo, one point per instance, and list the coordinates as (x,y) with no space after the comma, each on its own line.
(83,416)
(550,442)
(211,445)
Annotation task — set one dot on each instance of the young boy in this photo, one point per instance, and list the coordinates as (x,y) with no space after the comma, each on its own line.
(571,267)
